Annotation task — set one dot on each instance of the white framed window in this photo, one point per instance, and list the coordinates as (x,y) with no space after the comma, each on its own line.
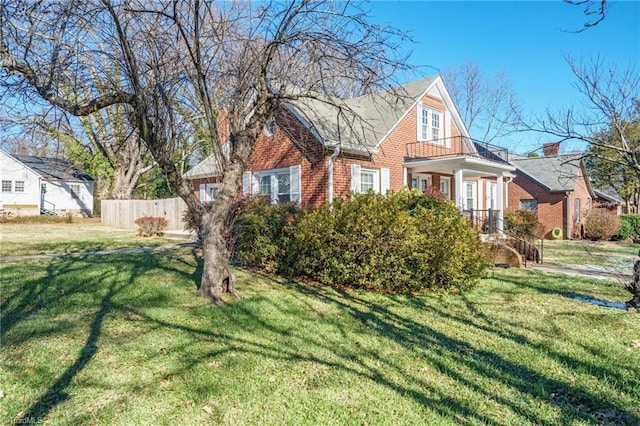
(531,205)
(283,187)
(492,195)
(445,186)
(19,186)
(469,195)
(43,188)
(265,184)
(421,181)
(430,125)
(279,185)
(270,128)
(7,186)
(74,188)
(209,191)
(368,180)
(365,179)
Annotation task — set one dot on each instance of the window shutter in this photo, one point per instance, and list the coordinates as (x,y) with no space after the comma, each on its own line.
(447,129)
(295,184)
(203,192)
(384,180)
(355,178)
(246,185)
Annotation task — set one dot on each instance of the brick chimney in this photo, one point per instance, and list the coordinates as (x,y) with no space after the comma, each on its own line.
(552,148)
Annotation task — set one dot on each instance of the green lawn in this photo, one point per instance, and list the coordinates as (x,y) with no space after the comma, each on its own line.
(123,339)
(615,257)
(26,239)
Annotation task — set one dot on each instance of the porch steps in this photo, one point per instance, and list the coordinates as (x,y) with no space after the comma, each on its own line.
(48,212)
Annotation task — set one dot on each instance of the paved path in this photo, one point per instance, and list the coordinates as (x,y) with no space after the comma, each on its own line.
(9,259)
(586,271)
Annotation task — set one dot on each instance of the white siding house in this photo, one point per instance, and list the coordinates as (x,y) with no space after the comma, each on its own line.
(35,185)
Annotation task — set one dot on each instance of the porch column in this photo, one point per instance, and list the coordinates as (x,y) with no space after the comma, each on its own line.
(405,176)
(459,180)
(500,203)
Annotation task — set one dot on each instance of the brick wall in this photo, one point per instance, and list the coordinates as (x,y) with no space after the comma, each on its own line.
(550,205)
(292,144)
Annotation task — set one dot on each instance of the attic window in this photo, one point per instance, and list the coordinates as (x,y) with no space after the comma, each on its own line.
(430,124)
(19,186)
(6,186)
(270,128)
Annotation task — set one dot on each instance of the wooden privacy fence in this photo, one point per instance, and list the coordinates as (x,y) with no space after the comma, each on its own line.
(123,213)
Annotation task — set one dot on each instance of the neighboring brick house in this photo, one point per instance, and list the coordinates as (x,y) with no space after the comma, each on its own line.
(556,187)
(314,152)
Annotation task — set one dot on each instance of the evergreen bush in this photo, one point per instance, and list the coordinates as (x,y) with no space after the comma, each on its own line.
(629,227)
(406,242)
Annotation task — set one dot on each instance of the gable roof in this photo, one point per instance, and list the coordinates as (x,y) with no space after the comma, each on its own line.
(206,168)
(54,168)
(362,123)
(556,173)
(608,193)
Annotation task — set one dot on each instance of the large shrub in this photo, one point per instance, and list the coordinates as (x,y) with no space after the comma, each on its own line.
(261,233)
(629,227)
(403,243)
(600,225)
(522,223)
(150,226)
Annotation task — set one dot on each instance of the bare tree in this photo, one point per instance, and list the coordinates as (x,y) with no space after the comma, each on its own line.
(227,66)
(594,11)
(608,116)
(489,106)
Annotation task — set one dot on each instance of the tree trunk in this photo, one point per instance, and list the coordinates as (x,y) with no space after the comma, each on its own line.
(217,277)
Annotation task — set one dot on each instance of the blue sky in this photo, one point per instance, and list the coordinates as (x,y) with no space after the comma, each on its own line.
(526,40)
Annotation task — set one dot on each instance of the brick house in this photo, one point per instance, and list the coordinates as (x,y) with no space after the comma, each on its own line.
(314,152)
(556,187)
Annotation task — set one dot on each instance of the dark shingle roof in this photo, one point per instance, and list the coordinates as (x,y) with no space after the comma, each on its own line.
(557,173)
(54,168)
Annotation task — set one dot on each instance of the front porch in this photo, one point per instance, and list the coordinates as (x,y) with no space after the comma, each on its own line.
(472,174)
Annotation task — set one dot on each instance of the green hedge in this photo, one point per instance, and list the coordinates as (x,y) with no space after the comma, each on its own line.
(403,243)
(629,227)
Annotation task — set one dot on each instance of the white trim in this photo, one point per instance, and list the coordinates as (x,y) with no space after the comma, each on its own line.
(385,180)
(448,103)
(355,178)
(448,180)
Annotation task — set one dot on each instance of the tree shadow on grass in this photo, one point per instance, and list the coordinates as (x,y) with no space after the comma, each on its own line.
(37,295)
(466,365)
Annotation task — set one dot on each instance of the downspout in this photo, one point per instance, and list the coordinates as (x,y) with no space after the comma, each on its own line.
(567,218)
(332,157)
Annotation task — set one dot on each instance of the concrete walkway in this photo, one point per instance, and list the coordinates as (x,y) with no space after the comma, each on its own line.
(12,259)
(583,271)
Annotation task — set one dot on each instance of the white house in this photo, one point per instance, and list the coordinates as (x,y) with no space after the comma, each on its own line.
(36,185)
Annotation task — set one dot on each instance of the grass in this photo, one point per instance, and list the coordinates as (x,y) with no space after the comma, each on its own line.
(34,238)
(612,256)
(123,340)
